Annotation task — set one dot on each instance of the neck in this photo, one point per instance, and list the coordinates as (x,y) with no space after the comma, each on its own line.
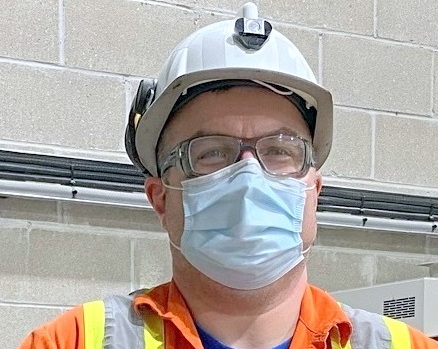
(257,319)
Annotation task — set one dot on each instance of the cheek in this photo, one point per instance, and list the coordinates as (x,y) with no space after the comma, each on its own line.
(174,216)
(309,219)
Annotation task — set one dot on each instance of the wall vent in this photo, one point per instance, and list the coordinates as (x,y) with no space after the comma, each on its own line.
(400,308)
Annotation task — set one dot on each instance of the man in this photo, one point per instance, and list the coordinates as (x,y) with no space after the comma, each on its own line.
(230,137)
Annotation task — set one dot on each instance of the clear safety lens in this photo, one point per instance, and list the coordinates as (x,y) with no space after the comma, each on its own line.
(278,154)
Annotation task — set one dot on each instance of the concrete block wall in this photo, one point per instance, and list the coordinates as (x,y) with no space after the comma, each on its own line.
(68,70)
(54,255)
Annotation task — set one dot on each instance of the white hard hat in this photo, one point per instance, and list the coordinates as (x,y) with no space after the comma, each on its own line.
(243,49)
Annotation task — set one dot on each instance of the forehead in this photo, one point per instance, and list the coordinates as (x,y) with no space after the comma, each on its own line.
(245,112)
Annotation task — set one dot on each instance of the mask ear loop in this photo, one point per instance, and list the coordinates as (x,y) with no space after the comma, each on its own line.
(173,188)
(306,250)
(174,245)
(310,188)
(170,186)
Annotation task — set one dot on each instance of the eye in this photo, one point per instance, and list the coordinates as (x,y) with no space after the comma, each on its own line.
(212,155)
(211,159)
(280,153)
(277,151)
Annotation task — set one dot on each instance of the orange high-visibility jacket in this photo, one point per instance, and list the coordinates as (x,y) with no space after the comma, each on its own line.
(160,319)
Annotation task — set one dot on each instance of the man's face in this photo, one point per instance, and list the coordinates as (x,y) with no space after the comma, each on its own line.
(243,112)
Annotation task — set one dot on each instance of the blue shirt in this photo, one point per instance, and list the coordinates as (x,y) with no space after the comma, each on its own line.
(209,342)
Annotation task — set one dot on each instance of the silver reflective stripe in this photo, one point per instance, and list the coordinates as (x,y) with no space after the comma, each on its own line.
(369,329)
(123,327)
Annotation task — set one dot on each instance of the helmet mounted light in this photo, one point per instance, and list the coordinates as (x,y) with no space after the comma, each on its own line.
(251,31)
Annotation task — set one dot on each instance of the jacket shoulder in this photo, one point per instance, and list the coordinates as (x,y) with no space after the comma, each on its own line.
(64,332)
(371,330)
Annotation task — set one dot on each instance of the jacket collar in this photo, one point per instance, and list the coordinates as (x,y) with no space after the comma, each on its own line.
(320,317)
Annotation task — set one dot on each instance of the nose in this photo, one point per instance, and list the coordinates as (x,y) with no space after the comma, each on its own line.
(247,154)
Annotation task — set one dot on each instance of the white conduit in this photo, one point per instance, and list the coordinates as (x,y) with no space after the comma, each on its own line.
(48,191)
(332,219)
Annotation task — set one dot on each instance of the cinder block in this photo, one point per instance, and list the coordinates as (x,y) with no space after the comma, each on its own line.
(414,21)
(398,267)
(351,16)
(153,264)
(126,36)
(29,209)
(66,254)
(60,291)
(57,290)
(351,153)
(378,75)
(306,41)
(110,217)
(17,321)
(59,107)
(406,150)
(432,245)
(372,240)
(13,248)
(65,266)
(336,269)
(29,30)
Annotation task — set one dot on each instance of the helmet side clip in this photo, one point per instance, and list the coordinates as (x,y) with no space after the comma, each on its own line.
(143,99)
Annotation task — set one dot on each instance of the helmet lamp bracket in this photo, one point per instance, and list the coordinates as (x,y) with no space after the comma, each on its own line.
(252,33)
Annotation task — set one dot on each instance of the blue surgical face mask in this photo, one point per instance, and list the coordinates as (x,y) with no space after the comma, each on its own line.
(242,225)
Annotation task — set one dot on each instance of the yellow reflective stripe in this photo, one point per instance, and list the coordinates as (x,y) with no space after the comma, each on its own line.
(94,324)
(348,345)
(337,345)
(335,341)
(400,337)
(153,331)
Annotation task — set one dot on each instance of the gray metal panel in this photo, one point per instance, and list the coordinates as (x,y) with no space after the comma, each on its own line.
(425,292)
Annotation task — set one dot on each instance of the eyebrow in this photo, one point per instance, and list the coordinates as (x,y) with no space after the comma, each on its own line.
(283,130)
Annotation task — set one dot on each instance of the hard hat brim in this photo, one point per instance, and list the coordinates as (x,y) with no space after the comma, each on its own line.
(151,125)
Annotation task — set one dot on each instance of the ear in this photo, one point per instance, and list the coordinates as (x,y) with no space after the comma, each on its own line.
(156,193)
(318,182)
